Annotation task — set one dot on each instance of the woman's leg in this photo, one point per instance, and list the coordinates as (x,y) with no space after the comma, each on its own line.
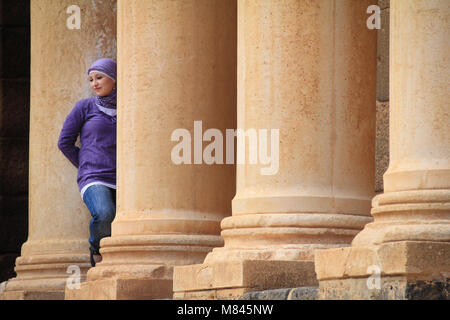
(101,202)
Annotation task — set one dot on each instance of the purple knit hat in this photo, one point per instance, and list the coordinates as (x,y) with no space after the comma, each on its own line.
(106,66)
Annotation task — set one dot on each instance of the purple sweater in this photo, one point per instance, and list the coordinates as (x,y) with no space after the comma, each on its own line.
(96,159)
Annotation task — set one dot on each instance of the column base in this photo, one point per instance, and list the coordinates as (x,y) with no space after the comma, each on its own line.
(45,267)
(233,279)
(45,288)
(121,289)
(397,270)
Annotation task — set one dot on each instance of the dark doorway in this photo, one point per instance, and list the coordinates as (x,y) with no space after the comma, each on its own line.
(14,130)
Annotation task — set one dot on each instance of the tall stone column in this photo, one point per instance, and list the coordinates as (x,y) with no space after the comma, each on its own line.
(405,252)
(57,246)
(177,65)
(306,68)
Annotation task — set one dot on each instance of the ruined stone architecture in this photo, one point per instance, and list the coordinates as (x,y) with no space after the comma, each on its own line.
(339,187)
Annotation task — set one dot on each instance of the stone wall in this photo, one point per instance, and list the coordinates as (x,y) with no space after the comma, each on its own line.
(14,129)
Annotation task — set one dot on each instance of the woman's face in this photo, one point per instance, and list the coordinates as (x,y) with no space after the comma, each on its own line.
(101,84)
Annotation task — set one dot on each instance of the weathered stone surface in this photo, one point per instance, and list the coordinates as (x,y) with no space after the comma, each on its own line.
(428,290)
(384,4)
(301,293)
(391,288)
(275,294)
(381,144)
(383,57)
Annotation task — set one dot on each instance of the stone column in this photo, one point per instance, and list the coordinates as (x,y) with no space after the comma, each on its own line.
(308,69)
(177,65)
(58,219)
(405,252)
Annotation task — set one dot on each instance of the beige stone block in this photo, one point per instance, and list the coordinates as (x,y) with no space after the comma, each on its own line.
(330,262)
(413,259)
(121,289)
(32,295)
(254,275)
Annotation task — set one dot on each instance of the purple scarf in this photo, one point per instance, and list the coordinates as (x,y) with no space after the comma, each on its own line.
(109,68)
(109,101)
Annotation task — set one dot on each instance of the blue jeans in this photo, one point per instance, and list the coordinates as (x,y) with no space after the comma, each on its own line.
(101,202)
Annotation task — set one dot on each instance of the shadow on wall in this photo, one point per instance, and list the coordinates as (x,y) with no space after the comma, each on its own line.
(14,130)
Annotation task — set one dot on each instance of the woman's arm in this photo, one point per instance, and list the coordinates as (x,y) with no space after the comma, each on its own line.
(69,134)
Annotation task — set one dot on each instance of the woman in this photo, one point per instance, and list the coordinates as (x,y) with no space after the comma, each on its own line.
(94,120)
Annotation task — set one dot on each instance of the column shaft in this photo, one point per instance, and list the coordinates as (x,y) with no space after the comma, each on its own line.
(299,66)
(414,205)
